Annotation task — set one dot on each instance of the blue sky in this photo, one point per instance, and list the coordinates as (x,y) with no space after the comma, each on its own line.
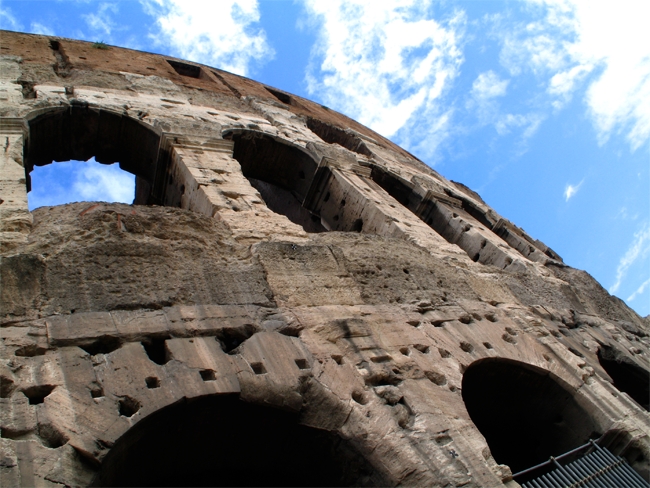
(543,107)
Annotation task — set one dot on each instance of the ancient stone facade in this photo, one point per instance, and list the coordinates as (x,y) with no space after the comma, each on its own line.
(291,299)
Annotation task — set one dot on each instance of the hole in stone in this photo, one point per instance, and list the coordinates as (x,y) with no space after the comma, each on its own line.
(436,378)
(343,203)
(37,394)
(302,364)
(422,348)
(511,331)
(338,359)
(103,345)
(232,337)
(626,374)
(488,345)
(128,407)
(335,218)
(51,436)
(381,359)
(555,333)
(444,353)
(405,351)
(152,382)
(357,226)
(258,368)
(466,346)
(491,317)
(30,351)
(156,350)
(359,397)
(528,400)
(217,441)
(207,375)
(575,352)
(509,339)
(327,197)
(465,319)
(96,391)
(406,271)
(283,97)
(185,69)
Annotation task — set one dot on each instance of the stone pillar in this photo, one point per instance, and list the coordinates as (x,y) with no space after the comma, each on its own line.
(207,179)
(15,218)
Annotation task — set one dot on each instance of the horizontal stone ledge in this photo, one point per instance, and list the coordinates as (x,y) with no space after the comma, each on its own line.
(130,326)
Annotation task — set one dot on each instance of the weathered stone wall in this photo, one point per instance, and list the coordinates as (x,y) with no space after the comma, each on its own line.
(282,267)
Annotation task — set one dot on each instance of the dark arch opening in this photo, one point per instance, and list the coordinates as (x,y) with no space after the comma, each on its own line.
(222,441)
(523,412)
(626,375)
(281,173)
(79,132)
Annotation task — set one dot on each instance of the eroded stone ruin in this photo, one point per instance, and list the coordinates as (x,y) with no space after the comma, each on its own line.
(291,300)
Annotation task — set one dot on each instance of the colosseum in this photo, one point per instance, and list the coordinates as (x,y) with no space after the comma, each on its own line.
(291,300)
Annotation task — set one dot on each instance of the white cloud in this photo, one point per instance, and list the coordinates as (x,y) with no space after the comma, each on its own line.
(600,45)
(221,34)
(640,248)
(101,22)
(489,85)
(38,28)
(95,182)
(386,64)
(8,21)
(639,290)
(571,190)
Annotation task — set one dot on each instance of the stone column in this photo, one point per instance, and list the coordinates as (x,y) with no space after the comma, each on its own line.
(15,218)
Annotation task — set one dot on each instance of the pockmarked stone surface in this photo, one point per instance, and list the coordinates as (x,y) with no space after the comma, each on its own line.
(291,299)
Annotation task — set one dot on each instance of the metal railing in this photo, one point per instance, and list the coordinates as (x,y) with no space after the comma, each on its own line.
(597,468)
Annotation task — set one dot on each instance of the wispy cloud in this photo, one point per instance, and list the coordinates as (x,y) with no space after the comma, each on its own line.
(7,19)
(570,190)
(639,290)
(101,22)
(639,249)
(488,85)
(106,183)
(76,181)
(38,28)
(221,34)
(600,46)
(386,64)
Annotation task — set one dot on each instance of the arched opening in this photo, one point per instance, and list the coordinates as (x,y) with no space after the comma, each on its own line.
(78,181)
(281,173)
(626,374)
(525,414)
(222,441)
(79,133)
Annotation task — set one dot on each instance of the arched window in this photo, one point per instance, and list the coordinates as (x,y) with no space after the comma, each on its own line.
(523,412)
(281,173)
(222,441)
(79,133)
(626,374)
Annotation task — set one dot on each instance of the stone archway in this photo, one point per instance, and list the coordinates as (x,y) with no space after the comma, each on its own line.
(79,132)
(525,413)
(222,441)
